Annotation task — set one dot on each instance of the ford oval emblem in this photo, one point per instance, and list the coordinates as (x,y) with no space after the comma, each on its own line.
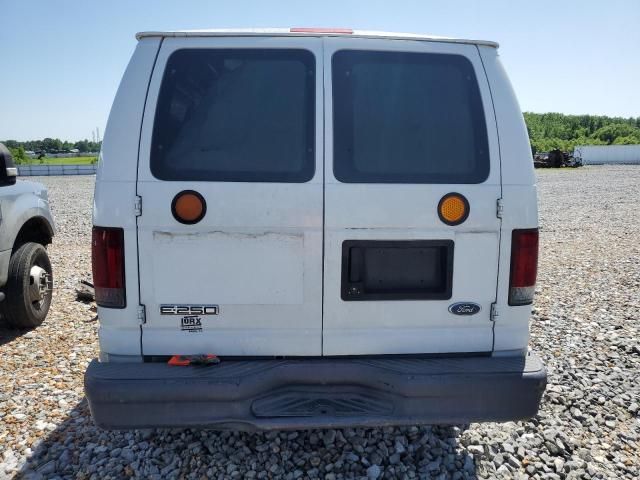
(464,308)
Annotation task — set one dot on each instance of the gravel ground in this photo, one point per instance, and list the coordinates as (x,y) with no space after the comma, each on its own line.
(586,327)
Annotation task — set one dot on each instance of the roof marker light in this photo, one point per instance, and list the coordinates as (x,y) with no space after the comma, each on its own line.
(346,31)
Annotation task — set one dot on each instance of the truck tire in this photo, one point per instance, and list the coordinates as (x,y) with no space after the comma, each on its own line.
(29,287)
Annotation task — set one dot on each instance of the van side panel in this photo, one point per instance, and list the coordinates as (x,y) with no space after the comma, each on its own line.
(119,154)
(519,197)
(116,190)
(515,150)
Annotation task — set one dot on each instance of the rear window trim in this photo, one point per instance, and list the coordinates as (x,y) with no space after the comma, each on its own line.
(305,176)
(485,123)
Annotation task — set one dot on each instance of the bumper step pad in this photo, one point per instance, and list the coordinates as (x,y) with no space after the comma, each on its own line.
(315,393)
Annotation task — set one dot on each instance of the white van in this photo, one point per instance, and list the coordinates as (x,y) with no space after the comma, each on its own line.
(342,225)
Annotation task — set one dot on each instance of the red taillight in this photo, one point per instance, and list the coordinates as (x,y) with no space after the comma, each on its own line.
(107,255)
(524,266)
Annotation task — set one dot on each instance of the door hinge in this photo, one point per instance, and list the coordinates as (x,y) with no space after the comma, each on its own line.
(499,208)
(137,205)
(494,314)
(142,316)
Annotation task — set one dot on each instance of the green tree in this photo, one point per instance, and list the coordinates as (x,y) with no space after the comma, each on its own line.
(548,131)
(19,157)
(82,145)
(631,140)
(610,133)
(52,144)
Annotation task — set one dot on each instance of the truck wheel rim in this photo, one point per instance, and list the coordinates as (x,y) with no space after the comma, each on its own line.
(39,285)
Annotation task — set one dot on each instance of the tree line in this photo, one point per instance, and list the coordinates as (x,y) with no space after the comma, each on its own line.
(550,131)
(54,145)
(48,145)
(547,131)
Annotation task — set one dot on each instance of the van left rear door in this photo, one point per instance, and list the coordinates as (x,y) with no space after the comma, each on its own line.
(409,124)
(238,121)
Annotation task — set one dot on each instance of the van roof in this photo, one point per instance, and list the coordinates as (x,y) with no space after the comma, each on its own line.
(295,32)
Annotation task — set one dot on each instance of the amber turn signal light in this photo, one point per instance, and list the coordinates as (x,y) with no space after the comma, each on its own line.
(188,207)
(453,209)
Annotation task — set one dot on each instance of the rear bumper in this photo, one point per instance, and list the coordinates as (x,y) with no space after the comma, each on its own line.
(315,393)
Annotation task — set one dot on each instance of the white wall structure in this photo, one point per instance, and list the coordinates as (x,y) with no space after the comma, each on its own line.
(52,170)
(607,154)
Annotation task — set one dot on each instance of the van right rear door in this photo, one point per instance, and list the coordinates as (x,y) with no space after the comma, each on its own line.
(408,122)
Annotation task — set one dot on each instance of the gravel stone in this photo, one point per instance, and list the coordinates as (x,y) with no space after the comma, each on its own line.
(585,325)
(373,472)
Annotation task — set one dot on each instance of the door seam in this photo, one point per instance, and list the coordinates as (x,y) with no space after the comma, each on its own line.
(324,148)
(144,109)
(495,121)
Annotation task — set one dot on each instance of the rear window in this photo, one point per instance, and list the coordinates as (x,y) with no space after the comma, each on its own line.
(236,115)
(403,117)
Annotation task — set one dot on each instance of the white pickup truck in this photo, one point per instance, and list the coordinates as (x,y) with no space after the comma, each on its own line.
(26,228)
(345,220)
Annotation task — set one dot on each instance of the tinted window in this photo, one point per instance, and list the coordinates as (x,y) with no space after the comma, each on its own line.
(236,115)
(407,118)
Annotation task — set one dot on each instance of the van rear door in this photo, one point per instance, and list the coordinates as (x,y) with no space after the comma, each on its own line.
(234,120)
(408,122)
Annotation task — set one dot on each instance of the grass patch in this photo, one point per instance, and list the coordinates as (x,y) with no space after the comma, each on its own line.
(62,161)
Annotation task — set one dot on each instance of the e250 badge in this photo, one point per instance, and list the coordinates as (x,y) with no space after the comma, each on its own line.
(189,310)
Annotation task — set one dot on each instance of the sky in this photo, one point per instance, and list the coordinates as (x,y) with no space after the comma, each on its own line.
(62,60)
